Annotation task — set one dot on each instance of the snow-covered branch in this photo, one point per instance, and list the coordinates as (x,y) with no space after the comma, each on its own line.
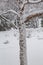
(7,20)
(29,2)
(4,18)
(23,5)
(34,14)
(14,12)
(10,11)
(34,1)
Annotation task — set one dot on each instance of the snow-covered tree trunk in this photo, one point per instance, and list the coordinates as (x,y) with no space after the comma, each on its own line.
(22,42)
(22,36)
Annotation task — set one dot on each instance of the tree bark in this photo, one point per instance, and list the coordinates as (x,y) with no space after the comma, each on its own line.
(22,43)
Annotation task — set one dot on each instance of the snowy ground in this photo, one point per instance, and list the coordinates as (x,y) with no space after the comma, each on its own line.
(35,47)
(9,47)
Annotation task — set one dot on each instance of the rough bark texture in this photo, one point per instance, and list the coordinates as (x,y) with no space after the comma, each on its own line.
(22,30)
(22,38)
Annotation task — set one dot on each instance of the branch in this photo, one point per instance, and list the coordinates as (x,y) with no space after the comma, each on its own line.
(27,2)
(23,5)
(7,20)
(14,12)
(4,18)
(34,2)
(10,11)
(34,14)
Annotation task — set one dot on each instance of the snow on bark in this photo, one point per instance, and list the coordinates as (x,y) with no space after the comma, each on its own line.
(22,38)
(22,43)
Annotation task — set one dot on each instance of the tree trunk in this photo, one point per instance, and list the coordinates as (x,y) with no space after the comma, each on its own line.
(22,42)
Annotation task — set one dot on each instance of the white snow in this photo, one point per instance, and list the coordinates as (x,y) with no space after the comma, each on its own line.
(35,47)
(34,1)
(9,47)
